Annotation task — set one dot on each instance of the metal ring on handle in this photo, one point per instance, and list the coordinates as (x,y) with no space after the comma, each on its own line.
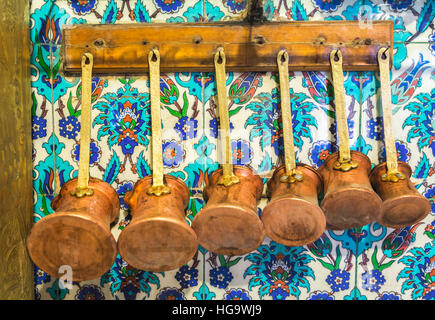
(345,162)
(393,174)
(228,178)
(291,174)
(158,187)
(82,188)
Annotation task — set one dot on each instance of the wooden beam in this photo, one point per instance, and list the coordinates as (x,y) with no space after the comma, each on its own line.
(123,49)
(16,193)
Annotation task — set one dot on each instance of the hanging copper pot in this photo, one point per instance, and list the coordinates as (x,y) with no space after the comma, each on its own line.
(229,223)
(158,237)
(293,216)
(78,233)
(349,199)
(402,204)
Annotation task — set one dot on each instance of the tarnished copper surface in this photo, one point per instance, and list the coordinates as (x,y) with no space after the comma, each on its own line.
(78,233)
(293,216)
(349,199)
(158,237)
(229,223)
(402,204)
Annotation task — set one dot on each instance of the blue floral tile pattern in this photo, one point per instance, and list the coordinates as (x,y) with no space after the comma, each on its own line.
(368,263)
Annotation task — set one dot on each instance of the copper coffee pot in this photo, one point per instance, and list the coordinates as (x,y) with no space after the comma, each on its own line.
(402,204)
(229,223)
(293,216)
(78,234)
(158,237)
(349,199)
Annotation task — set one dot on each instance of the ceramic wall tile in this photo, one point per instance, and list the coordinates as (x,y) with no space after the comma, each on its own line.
(153,11)
(300,10)
(413,19)
(362,263)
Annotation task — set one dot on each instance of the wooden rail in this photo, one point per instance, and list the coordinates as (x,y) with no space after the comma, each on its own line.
(185,47)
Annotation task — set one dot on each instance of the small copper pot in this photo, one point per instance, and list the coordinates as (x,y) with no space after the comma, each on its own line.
(293,216)
(158,237)
(402,204)
(229,224)
(78,233)
(349,199)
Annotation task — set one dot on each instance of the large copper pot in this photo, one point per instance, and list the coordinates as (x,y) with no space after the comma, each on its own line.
(78,233)
(158,237)
(349,199)
(229,224)
(293,216)
(402,204)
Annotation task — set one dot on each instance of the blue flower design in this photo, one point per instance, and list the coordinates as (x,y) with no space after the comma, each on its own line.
(128,280)
(400,5)
(94,156)
(170,294)
(279,293)
(320,295)
(328,5)
(82,7)
(69,127)
(333,129)
(235,5)
(430,295)
(173,154)
(127,145)
(214,127)
(220,277)
(38,127)
(279,270)
(389,296)
(338,280)
(41,276)
(403,154)
(372,280)
(242,153)
(186,128)
(124,117)
(122,190)
(169,6)
(90,292)
(430,194)
(320,151)
(375,128)
(237,294)
(187,276)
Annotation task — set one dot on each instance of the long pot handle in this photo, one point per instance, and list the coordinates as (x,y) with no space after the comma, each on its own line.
(82,188)
(291,174)
(344,162)
(158,187)
(393,174)
(228,177)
